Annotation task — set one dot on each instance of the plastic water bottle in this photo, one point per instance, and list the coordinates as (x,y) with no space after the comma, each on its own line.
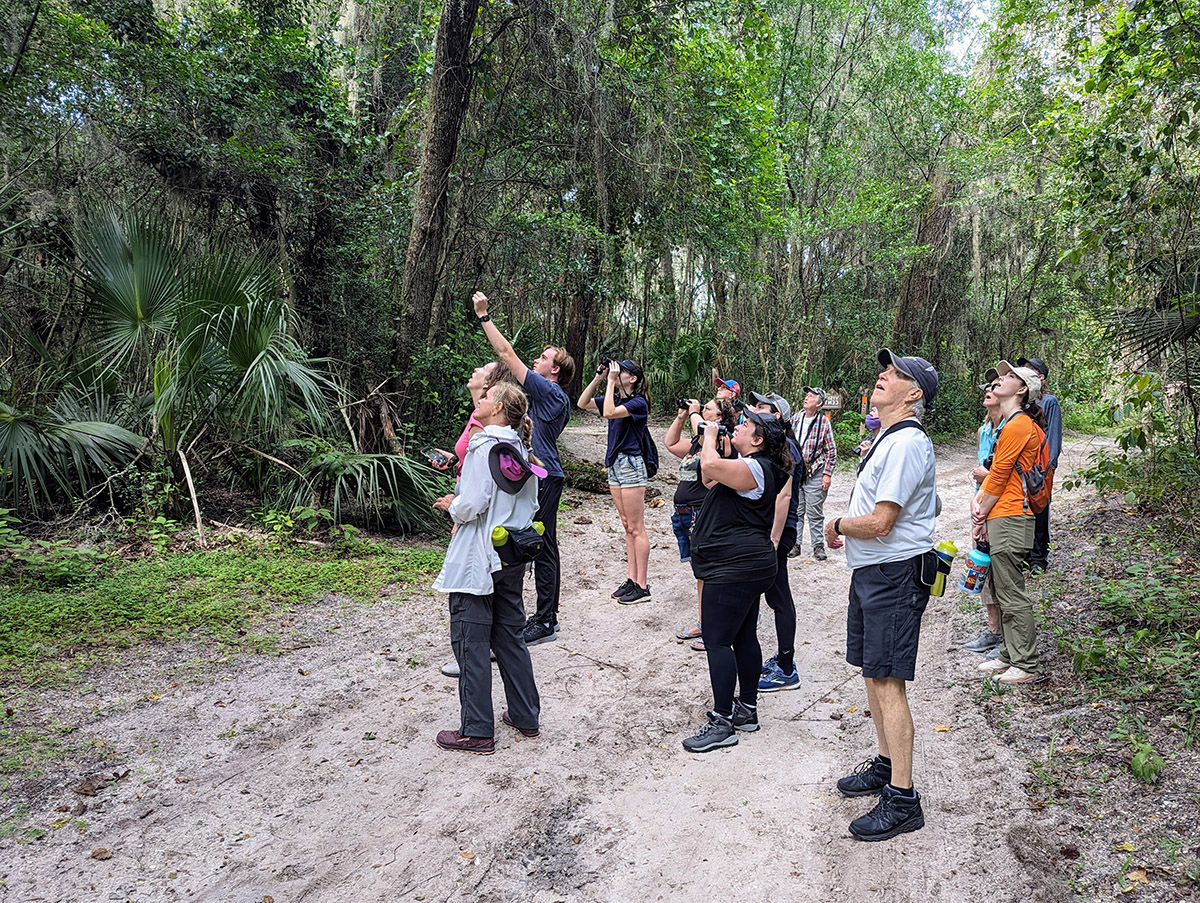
(977,570)
(946,552)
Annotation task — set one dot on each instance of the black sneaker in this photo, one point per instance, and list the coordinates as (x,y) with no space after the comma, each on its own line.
(716,733)
(536,632)
(744,718)
(893,814)
(796,551)
(623,588)
(634,595)
(870,777)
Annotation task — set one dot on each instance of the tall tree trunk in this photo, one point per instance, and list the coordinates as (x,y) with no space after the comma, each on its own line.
(449,96)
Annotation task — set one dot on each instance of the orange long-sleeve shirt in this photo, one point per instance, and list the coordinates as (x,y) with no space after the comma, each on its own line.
(1019,441)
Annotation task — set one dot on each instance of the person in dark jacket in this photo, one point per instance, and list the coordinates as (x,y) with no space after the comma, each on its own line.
(1039,555)
(733,554)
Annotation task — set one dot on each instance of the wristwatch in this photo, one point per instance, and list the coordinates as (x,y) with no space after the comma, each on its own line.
(485,319)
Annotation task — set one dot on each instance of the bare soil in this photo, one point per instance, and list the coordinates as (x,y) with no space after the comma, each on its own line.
(313,775)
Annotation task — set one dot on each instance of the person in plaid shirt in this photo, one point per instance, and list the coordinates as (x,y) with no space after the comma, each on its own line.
(814,432)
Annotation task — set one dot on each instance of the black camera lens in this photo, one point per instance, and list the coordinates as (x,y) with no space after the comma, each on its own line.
(684,403)
(738,405)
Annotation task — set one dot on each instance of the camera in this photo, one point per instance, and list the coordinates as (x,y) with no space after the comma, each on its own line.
(684,403)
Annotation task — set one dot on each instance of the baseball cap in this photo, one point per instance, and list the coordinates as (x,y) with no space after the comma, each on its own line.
(1029,376)
(816,390)
(778,402)
(1034,363)
(988,378)
(772,431)
(917,369)
(731,384)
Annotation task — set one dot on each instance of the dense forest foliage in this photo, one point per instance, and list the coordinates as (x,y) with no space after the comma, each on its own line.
(238,239)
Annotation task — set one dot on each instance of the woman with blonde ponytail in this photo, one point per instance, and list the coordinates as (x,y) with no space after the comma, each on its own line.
(487,613)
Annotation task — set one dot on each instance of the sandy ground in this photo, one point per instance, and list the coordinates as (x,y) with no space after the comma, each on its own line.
(314,776)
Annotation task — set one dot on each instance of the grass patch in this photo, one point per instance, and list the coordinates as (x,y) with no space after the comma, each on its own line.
(49,631)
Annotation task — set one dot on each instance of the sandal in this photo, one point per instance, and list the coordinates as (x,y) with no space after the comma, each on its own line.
(697,645)
(689,633)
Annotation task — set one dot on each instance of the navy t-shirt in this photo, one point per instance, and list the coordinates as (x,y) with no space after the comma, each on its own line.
(793,514)
(550,409)
(625,433)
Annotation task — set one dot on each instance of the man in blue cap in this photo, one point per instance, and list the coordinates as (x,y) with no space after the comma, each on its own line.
(888,529)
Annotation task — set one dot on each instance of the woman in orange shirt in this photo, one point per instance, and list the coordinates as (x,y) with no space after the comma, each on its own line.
(1001,516)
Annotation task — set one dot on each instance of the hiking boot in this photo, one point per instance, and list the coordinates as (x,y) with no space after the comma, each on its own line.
(1015,676)
(623,588)
(868,778)
(893,814)
(452,670)
(480,746)
(635,595)
(796,551)
(717,732)
(819,553)
(524,731)
(985,641)
(535,633)
(777,680)
(745,718)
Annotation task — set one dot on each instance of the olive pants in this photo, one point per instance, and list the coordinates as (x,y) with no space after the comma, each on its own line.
(1011,539)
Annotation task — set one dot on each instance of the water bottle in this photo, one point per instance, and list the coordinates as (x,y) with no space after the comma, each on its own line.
(977,569)
(946,553)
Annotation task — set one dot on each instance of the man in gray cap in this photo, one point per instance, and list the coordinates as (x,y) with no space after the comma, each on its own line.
(888,530)
(814,435)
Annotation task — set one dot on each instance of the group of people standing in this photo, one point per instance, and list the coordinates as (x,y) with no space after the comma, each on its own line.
(750,474)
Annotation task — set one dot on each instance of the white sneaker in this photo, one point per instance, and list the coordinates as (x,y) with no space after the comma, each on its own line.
(452,670)
(993,666)
(1015,675)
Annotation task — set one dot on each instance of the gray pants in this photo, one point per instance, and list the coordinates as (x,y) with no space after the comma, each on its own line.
(479,626)
(812,506)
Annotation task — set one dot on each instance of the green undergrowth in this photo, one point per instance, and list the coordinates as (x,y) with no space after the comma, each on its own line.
(54,625)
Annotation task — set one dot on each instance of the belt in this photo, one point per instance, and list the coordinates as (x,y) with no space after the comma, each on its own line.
(687,509)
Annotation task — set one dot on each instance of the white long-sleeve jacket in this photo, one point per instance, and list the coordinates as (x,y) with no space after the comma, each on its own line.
(479,507)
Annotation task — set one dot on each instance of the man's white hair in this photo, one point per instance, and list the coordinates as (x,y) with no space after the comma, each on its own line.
(918,409)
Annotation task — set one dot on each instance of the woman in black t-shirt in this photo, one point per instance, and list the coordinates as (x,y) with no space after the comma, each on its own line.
(690,493)
(733,554)
(626,407)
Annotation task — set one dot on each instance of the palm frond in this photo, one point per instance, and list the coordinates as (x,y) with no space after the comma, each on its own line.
(132,275)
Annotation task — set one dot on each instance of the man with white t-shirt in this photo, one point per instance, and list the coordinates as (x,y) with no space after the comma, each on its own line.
(888,530)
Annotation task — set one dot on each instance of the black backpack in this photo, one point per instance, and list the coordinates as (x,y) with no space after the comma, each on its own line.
(649,451)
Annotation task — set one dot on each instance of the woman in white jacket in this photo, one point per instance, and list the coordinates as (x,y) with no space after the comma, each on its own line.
(487,613)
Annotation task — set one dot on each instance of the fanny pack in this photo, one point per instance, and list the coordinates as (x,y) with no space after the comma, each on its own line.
(519,546)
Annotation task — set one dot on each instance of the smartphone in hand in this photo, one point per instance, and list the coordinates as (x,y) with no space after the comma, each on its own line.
(436,458)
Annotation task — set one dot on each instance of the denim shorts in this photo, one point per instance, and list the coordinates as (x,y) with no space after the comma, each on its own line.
(681,523)
(883,621)
(627,472)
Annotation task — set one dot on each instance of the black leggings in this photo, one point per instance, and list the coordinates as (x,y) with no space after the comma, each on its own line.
(779,598)
(729,613)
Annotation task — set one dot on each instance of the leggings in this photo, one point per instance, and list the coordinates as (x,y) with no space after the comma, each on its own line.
(779,598)
(729,613)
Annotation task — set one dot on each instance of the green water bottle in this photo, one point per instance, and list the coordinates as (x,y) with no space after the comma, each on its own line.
(946,553)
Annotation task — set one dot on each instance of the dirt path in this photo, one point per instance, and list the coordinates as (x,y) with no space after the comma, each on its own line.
(313,776)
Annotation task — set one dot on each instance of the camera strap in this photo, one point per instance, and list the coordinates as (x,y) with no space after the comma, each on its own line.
(903,424)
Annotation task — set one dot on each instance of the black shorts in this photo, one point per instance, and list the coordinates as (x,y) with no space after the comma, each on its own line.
(883,620)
